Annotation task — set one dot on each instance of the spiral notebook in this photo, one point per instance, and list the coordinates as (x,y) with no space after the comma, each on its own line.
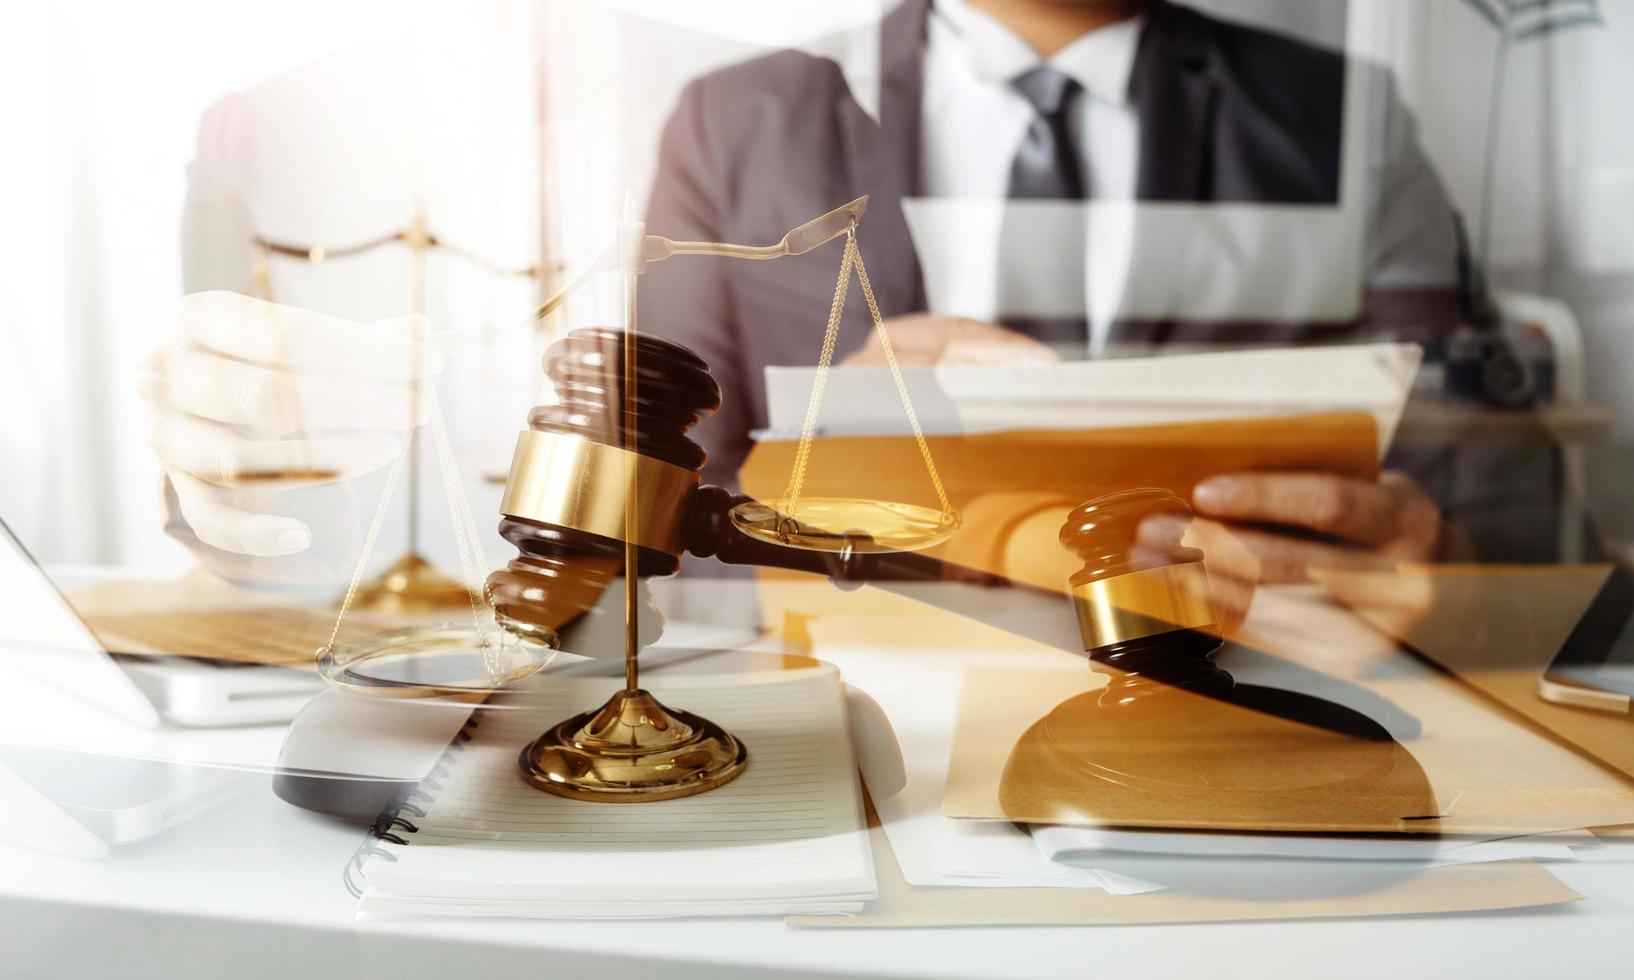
(786,837)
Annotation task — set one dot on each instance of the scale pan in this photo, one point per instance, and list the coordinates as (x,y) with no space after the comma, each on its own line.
(837,524)
(445,661)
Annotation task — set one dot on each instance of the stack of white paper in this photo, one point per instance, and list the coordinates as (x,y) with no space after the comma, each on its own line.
(786,837)
(1080,846)
(919,692)
(950,399)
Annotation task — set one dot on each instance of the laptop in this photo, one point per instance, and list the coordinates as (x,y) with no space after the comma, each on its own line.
(42,634)
(80,782)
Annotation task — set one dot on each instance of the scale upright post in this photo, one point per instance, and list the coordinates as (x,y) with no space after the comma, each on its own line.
(632,749)
(632,237)
(412,583)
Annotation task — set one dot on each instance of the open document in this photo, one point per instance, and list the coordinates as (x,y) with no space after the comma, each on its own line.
(970,399)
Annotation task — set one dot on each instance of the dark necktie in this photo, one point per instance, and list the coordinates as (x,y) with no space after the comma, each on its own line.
(1046,166)
(1035,262)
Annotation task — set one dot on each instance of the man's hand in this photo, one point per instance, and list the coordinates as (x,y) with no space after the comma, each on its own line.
(920,340)
(1284,526)
(251,400)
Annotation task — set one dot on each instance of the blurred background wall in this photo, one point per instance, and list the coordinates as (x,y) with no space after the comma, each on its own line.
(490,115)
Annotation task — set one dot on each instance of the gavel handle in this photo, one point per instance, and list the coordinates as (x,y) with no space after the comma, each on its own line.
(709,533)
(1041,615)
(1020,609)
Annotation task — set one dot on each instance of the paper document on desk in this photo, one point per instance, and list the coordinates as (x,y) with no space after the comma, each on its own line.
(915,671)
(956,398)
(1079,846)
(919,691)
(787,836)
(1088,848)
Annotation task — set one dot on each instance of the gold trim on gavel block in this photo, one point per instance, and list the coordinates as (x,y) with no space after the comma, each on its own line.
(1144,603)
(570,481)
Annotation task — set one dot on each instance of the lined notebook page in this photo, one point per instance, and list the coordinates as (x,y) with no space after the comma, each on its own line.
(789,828)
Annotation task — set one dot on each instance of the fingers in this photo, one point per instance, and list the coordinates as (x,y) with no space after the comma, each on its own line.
(275,402)
(913,339)
(222,526)
(1231,598)
(1423,533)
(243,372)
(1280,558)
(967,341)
(150,378)
(254,330)
(1224,550)
(218,455)
(1013,349)
(1396,602)
(1354,510)
(1233,568)
(922,340)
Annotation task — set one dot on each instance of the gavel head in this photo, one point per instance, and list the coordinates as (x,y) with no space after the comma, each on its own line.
(1142,597)
(565,499)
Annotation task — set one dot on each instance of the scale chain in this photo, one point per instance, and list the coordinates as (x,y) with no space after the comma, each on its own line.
(802,456)
(368,542)
(802,453)
(467,540)
(896,375)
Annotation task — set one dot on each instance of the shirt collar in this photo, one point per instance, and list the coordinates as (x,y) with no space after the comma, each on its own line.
(1101,61)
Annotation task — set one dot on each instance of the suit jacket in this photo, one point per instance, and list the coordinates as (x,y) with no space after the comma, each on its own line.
(1227,113)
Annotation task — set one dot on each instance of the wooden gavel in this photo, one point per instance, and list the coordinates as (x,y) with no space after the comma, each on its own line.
(1142,611)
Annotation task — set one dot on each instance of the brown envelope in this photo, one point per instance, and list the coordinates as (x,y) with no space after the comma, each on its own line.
(1486,773)
(998,479)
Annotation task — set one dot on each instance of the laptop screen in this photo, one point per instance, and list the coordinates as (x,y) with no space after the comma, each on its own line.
(42,637)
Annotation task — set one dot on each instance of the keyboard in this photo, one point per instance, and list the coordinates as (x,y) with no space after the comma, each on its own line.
(284,637)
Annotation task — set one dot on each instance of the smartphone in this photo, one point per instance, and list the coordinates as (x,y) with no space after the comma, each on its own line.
(1595,668)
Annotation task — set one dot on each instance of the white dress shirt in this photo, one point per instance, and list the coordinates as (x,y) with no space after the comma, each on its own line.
(1174,260)
(974,120)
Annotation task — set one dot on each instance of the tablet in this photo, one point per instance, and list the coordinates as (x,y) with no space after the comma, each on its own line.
(1595,669)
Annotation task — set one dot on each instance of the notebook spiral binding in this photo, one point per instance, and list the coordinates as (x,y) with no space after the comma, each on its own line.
(391,818)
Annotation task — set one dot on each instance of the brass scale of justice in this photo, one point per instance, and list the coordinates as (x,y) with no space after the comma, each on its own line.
(584,502)
(605,485)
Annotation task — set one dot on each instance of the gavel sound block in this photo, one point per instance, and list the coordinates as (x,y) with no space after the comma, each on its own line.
(1172,740)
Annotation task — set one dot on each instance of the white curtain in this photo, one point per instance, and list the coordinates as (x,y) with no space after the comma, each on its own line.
(101,121)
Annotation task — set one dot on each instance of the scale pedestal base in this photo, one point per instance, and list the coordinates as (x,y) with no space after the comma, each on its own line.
(411,583)
(633,750)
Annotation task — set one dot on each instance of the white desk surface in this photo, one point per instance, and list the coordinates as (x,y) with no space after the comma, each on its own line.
(253,889)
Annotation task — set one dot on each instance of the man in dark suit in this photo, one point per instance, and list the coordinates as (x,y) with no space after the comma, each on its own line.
(1211,112)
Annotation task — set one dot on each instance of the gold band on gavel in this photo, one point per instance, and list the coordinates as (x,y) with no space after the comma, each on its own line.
(1136,604)
(572,482)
